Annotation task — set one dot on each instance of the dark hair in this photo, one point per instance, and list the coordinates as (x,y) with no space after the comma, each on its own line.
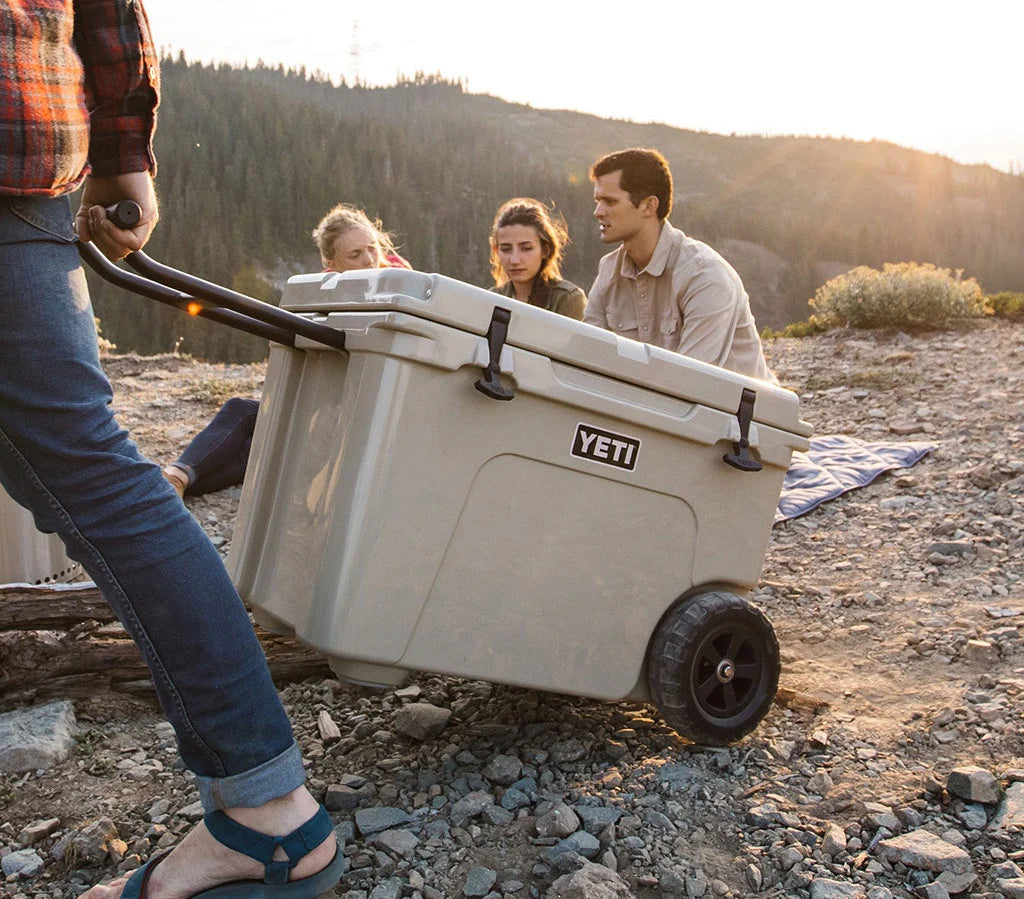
(552,231)
(644,173)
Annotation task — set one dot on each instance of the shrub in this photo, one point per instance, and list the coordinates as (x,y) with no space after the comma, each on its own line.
(813,325)
(1007,305)
(902,295)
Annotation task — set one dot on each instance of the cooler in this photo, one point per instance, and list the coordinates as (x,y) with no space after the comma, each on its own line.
(477,487)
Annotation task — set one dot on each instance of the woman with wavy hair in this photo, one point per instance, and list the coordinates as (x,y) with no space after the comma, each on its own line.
(527,244)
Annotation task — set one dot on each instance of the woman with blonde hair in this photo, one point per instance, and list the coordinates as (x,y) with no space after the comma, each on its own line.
(527,244)
(349,239)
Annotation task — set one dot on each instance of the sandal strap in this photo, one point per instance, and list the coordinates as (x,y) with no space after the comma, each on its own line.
(261,847)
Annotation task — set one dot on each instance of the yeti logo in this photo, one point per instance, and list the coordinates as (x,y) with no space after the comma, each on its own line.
(605,447)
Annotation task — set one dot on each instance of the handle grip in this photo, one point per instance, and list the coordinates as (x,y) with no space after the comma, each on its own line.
(125,214)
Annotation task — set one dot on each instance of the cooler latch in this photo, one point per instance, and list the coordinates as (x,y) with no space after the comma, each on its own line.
(739,457)
(490,384)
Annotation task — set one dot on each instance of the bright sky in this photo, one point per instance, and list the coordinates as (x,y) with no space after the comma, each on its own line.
(932,74)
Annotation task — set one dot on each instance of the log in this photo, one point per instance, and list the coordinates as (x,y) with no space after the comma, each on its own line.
(64,640)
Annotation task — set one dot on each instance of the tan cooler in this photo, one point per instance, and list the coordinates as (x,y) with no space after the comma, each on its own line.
(26,555)
(480,488)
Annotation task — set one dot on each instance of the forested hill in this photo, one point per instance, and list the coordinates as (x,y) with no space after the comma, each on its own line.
(251,158)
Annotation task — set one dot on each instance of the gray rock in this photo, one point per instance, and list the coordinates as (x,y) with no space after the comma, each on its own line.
(567,751)
(559,822)
(1010,813)
(389,889)
(421,720)
(513,799)
(36,737)
(90,844)
(24,862)
(479,881)
(956,883)
(580,842)
(37,831)
(596,818)
(933,891)
(973,816)
(835,889)
(375,820)
(496,815)
(1011,889)
(469,806)
(339,798)
(590,882)
(503,769)
(973,784)
(397,842)
(697,885)
(925,851)
(834,840)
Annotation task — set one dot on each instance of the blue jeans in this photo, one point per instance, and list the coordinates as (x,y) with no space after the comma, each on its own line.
(64,457)
(218,455)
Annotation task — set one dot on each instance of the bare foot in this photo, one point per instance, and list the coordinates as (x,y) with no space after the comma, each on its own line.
(177,477)
(199,862)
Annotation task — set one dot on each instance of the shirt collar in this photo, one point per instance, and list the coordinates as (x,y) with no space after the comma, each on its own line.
(656,265)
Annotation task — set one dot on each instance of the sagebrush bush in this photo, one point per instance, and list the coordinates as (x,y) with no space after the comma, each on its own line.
(1007,305)
(810,327)
(902,295)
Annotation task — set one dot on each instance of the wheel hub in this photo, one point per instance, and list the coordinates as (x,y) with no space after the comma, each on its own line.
(726,671)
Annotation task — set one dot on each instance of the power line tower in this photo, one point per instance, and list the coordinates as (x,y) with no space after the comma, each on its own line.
(354,54)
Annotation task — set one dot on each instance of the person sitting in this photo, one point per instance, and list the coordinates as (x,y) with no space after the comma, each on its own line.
(526,254)
(660,286)
(218,455)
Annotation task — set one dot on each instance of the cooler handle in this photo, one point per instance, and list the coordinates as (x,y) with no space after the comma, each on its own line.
(490,384)
(740,457)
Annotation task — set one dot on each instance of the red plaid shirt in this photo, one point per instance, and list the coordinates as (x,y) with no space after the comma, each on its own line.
(78,93)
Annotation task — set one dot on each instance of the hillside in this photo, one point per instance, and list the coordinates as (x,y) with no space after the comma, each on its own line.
(900,613)
(250,160)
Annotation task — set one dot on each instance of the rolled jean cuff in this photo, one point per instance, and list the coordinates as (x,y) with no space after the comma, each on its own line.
(255,787)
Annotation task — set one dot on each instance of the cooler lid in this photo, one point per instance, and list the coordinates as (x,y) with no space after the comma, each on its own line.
(469,308)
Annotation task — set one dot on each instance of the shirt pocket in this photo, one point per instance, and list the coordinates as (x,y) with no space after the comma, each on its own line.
(624,324)
(669,326)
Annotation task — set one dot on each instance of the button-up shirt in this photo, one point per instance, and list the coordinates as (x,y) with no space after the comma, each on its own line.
(687,299)
(78,92)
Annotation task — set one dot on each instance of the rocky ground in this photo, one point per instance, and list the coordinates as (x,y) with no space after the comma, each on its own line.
(892,763)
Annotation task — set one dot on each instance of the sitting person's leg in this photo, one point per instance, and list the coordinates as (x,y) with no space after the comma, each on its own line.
(218,455)
(63,456)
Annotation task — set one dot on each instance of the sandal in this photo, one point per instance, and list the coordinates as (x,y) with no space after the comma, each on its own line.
(258,846)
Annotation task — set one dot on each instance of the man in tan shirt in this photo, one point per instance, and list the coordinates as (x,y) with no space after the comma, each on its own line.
(660,286)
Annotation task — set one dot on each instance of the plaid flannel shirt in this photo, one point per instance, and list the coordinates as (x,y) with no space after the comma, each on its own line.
(78,93)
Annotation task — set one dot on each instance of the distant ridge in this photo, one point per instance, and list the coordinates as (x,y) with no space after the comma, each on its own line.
(250,159)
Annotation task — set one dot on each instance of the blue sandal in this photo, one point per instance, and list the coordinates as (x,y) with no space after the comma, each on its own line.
(258,846)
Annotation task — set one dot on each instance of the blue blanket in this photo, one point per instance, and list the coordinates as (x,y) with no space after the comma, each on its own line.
(835,464)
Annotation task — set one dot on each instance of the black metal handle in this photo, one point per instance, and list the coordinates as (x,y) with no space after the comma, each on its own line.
(237,302)
(202,298)
(183,301)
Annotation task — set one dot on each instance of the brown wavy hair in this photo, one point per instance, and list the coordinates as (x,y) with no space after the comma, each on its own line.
(552,231)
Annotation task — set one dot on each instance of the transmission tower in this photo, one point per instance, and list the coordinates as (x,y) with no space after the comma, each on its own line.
(354,54)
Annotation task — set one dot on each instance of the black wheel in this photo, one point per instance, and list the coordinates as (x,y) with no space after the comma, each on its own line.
(713,667)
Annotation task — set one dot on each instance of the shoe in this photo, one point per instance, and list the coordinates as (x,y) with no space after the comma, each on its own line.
(258,846)
(178,479)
